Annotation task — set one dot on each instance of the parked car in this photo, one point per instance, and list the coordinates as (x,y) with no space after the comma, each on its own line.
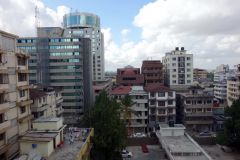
(144,148)
(153,134)
(126,154)
(205,133)
(139,135)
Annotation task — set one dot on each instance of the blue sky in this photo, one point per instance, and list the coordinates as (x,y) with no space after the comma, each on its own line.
(207,29)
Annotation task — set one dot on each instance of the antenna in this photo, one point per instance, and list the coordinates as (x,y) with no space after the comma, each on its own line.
(37,19)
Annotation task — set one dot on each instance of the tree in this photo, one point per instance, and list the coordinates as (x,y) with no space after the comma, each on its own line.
(110,132)
(126,103)
(211,86)
(231,133)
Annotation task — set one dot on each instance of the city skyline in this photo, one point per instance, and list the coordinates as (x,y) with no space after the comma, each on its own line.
(208,30)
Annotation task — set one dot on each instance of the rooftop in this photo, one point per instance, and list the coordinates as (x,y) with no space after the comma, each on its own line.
(38,137)
(121,90)
(47,120)
(177,126)
(34,93)
(158,88)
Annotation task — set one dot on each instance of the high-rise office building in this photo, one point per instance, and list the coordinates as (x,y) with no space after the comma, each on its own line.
(81,24)
(178,69)
(65,62)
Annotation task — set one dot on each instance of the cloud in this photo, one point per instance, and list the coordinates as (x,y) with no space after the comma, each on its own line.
(124,39)
(18,17)
(125,32)
(209,60)
(237,50)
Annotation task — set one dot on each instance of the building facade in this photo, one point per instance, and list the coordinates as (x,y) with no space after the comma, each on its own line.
(99,86)
(220,91)
(178,69)
(15,113)
(47,102)
(138,124)
(153,72)
(199,73)
(129,77)
(64,63)
(219,76)
(82,24)
(162,105)
(197,109)
(222,68)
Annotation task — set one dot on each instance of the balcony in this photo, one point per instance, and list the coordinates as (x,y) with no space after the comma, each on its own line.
(24,87)
(3,52)
(5,148)
(23,71)
(140,100)
(4,107)
(138,124)
(199,106)
(5,126)
(59,111)
(200,122)
(154,78)
(152,71)
(238,83)
(237,73)
(24,103)
(195,114)
(26,118)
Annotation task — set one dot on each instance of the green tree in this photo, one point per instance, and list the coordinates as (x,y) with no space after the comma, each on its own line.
(211,86)
(110,132)
(231,133)
(126,104)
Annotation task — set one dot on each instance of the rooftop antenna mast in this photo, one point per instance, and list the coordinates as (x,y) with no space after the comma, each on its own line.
(39,69)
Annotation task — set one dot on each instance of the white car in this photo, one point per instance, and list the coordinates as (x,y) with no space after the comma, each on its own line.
(139,135)
(126,154)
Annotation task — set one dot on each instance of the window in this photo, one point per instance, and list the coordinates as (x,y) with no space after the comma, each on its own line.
(152,102)
(161,94)
(22,93)
(1,136)
(170,94)
(43,99)
(188,102)
(22,77)
(209,109)
(188,70)
(41,113)
(199,109)
(161,111)
(129,78)
(170,110)
(56,94)
(188,58)
(188,110)
(40,100)
(22,109)
(189,75)
(174,59)
(161,119)
(174,70)
(170,102)
(35,114)
(173,64)
(174,76)
(21,61)
(152,118)
(161,103)
(188,64)
(188,81)
(174,81)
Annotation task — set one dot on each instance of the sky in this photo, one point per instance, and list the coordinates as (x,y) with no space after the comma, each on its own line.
(136,30)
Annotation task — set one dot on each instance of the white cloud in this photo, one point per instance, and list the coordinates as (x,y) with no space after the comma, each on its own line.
(209,60)
(125,32)
(124,39)
(237,50)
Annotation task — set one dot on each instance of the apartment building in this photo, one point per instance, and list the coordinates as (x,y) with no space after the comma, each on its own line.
(233,87)
(178,69)
(219,76)
(129,76)
(220,91)
(197,109)
(63,61)
(47,102)
(199,73)
(15,113)
(222,68)
(153,72)
(138,124)
(99,86)
(162,105)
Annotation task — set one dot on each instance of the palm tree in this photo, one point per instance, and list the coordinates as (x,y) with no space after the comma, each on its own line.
(126,104)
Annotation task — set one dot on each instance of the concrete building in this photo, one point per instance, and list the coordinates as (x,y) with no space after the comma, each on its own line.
(65,64)
(219,76)
(220,91)
(138,124)
(199,73)
(222,68)
(47,102)
(178,145)
(178,69)
(99,86)
(153,72)
(196,109)
(15,113)
(129,76)
(162,105)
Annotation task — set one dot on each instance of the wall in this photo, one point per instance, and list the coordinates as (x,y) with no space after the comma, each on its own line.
(168,132)
(141,141)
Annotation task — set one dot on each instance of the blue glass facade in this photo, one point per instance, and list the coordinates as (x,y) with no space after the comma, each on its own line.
(81,19)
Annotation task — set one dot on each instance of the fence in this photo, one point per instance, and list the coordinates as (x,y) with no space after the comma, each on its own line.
(205,140)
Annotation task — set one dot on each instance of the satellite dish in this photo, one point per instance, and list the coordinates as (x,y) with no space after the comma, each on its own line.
(23,157)
(34,155)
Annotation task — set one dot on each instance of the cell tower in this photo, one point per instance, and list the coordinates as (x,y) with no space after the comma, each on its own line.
(39,68)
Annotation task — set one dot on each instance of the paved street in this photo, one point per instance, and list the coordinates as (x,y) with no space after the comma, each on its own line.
(154,153)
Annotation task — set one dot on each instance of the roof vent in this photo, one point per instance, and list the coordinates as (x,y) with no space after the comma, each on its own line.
(182,48)
(176,48)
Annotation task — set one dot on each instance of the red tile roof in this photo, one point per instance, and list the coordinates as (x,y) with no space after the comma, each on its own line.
(34,93)
(158,88)
(129,72)
(121,90)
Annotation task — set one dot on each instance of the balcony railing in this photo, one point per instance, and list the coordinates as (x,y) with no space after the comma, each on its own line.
(199,114)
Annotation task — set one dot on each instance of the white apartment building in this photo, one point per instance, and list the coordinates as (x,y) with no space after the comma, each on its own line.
(221,75)
(15,113)
(220,91)
(222,68)
(138,124)
(178,69)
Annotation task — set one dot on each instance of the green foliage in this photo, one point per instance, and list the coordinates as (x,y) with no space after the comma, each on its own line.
(231,133)
(126,103)
(211,86)
(210,75)
(109,131)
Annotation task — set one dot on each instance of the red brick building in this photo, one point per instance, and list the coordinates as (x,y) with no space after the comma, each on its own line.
(129,76)
(153,72)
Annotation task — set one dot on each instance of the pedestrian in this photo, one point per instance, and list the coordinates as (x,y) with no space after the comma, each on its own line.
(77,134)
(71,140)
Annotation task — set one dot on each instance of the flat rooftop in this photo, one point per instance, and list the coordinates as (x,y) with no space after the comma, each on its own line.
(177,126)
(38,137)
(47,120)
